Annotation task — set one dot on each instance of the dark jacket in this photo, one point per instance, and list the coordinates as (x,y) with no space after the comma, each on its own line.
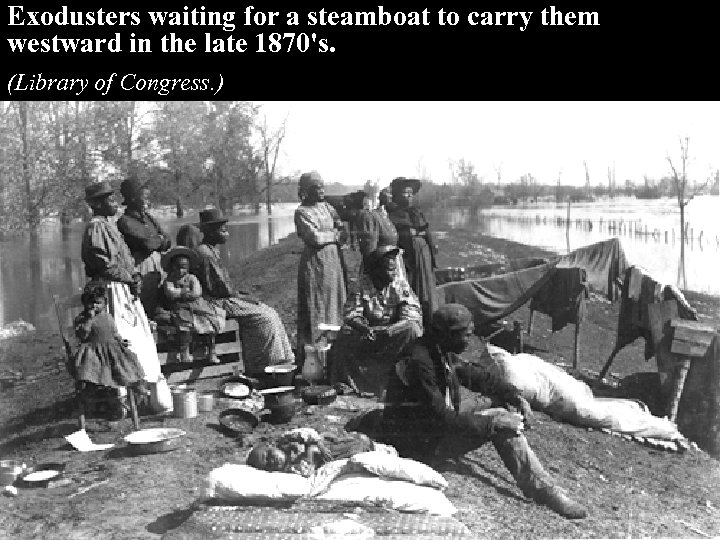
(406,219)
(142,233)
(417,401)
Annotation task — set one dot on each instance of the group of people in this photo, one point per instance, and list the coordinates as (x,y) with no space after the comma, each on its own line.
(395,339)
(134,275)
(395,228)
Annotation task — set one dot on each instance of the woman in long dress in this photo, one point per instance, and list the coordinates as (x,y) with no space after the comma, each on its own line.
(416,242)
(376,230)
(107,258)
(321,282)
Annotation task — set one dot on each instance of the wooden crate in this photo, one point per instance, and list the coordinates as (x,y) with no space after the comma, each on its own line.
(691,338)
(228,348)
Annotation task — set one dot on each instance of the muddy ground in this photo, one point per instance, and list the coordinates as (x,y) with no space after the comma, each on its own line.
(630,490)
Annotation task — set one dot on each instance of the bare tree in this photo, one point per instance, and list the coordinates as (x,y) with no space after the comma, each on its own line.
(498,172)
(684,195)
(588,189)
(270,143)
(422,170)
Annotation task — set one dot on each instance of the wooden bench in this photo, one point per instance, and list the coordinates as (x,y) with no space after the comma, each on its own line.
(228,347)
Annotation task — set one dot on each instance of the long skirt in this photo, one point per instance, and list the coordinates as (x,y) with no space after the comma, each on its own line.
(132,325)
(321,293)
(264,339)
(421,277)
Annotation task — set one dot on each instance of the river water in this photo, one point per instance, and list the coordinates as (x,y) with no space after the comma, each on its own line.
(649,231)
(33,270)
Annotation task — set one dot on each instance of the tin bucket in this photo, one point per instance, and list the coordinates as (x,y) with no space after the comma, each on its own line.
(184,402)
(205,402)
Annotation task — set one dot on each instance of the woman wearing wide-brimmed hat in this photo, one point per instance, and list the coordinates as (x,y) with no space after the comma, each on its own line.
(264,339)
(416,242)
(145,238)
(107,259)
(321,273)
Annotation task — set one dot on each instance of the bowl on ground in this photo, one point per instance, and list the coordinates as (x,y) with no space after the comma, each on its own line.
(154,440)
(319,395)
(238,421)
(236,389)
(41,475)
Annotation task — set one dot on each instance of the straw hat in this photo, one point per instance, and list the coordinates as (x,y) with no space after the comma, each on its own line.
(177,251)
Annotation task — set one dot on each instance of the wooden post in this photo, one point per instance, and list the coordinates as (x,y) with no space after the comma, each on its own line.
(133,408)
(576,352)
(681,372)
(530,322)
(567,227)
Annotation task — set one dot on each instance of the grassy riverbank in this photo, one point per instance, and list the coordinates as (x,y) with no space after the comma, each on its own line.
(630,490)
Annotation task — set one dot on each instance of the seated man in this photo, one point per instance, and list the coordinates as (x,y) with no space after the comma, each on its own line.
(423,417)
(263,335)
(382,320)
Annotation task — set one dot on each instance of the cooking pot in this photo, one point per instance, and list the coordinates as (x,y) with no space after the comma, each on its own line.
(280,375)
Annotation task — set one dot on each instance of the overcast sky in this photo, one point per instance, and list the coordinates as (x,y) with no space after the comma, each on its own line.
(351,142)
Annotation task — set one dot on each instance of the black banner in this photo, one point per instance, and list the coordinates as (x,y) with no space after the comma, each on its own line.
(364,51)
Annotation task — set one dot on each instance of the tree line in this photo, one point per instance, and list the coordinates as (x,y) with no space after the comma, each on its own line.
(193,153)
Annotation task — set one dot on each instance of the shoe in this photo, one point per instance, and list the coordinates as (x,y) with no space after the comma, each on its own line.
(557,501)
(213,359)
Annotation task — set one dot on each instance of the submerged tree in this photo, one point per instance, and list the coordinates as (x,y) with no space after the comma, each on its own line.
(684,195)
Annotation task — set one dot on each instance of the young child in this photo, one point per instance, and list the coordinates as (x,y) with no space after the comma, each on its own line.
(184,307)
(103,357)
(303,450)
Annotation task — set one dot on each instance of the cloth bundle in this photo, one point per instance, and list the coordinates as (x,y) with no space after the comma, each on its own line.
(376,478)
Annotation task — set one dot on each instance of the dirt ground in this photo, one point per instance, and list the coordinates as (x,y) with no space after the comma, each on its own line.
(630,490)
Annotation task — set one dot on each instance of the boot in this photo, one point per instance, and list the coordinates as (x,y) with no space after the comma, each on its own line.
(557,501)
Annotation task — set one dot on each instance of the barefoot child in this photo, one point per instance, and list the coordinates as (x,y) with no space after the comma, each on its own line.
(103,357)
(183,304)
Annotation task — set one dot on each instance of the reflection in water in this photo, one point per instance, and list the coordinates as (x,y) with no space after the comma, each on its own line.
(32,270)
(659,253)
